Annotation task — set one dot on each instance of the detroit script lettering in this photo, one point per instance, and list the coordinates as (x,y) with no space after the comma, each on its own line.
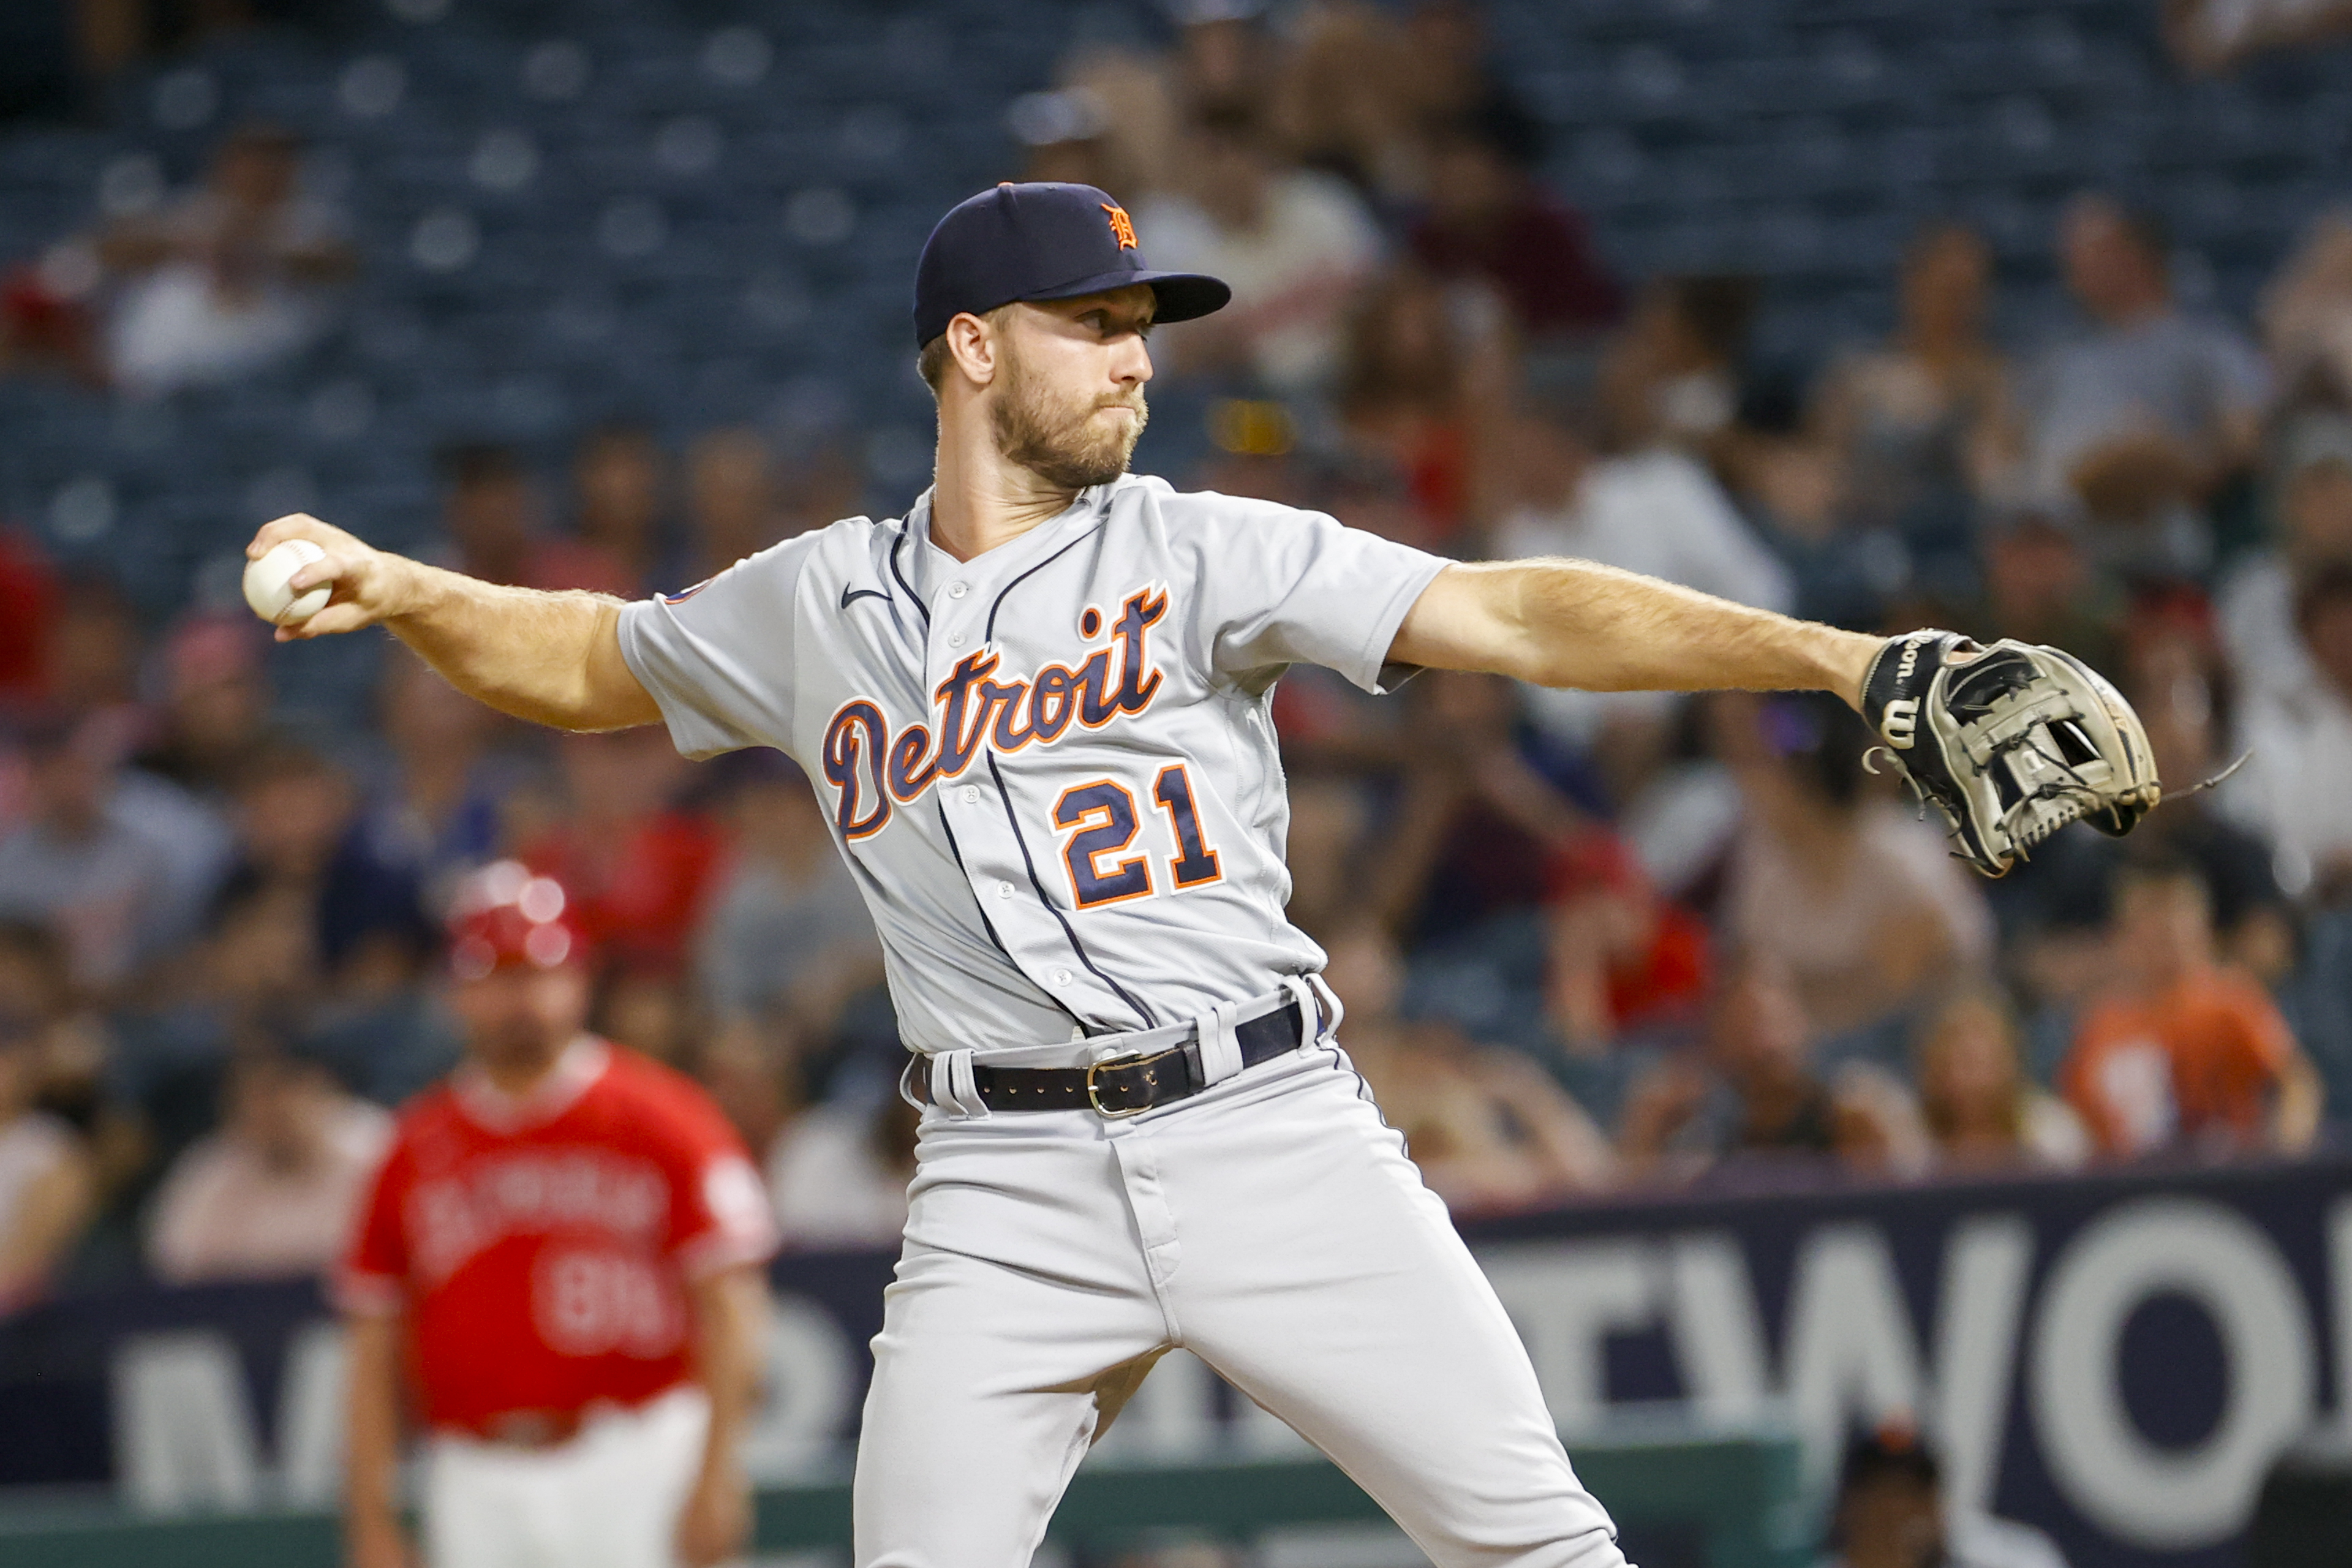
(870,768)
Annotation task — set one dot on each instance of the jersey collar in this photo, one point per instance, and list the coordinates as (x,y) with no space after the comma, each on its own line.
(933,567)
(575,1071)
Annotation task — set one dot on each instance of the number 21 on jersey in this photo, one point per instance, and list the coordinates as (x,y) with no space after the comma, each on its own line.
(1102,821)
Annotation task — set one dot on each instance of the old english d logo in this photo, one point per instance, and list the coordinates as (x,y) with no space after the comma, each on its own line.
(1122,228)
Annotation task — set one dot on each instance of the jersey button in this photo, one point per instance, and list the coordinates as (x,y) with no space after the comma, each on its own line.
(1004,890)
(958,590)
(1061,977)
(971,795)
(955,639)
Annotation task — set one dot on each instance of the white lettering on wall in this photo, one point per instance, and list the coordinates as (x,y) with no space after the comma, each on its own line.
(1851,1353)
(1715,1330)
(183,1426)
(310,1417)
(1566,1301)
(1985,1260)
(2168,1499)
(185,1432)
(805,1399)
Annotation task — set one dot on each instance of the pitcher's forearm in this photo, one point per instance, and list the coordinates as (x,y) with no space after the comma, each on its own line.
(549,658)
(1600,629)
(552,659)
(1596,628)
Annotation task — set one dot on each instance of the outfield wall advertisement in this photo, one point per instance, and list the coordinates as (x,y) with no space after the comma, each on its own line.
(2115,1359)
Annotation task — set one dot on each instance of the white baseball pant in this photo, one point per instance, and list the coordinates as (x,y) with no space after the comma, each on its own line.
(1272,1225)
(607,1499)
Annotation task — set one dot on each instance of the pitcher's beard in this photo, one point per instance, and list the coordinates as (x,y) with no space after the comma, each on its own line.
(1062,446)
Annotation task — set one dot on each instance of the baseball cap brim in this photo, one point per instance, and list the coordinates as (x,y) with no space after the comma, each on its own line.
(1182,296)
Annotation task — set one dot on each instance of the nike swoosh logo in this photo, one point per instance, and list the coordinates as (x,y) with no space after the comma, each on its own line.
(847,595)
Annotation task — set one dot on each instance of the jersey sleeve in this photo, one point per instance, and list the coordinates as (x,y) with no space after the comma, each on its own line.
(718,658)
(374,1279)
(1280,586)
(719,1216)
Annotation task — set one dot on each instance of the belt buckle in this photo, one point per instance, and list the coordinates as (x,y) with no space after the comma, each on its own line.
(1094,1096)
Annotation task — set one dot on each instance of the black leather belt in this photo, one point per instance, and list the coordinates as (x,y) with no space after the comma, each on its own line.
(1123,1086)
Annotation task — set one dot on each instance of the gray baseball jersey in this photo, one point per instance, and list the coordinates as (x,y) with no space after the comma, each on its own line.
(1052,768)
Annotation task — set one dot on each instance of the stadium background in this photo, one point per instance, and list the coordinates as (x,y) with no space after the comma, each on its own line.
(603,293)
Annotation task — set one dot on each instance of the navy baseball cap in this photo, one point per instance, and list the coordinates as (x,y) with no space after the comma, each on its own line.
(1042,241)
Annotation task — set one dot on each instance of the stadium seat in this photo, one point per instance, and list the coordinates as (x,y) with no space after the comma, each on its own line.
(730,207)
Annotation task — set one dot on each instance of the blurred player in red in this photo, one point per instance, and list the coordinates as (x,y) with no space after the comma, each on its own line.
(559,1264)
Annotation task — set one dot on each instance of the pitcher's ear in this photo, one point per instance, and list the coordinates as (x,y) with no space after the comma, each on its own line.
(975,344)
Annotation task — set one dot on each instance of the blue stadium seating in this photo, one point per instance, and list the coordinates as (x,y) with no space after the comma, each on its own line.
(696,212)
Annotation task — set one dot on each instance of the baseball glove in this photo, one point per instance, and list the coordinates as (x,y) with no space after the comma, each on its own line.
(2011,743)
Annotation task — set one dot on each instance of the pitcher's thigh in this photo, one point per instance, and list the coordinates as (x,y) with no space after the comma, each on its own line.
(989,1385)
(1349,1307)
(1439,1419)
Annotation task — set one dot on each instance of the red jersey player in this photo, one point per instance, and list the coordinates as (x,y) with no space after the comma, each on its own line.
(562,1252)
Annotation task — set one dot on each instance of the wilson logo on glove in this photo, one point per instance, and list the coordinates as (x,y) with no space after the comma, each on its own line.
(1900,728)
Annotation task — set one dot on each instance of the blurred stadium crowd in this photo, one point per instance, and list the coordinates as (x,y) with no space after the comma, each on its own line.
(1585,943)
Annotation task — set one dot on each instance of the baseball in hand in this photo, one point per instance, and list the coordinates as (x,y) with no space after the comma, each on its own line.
(266,583)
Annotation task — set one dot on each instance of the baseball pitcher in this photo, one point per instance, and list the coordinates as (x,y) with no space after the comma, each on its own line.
(1037,711)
